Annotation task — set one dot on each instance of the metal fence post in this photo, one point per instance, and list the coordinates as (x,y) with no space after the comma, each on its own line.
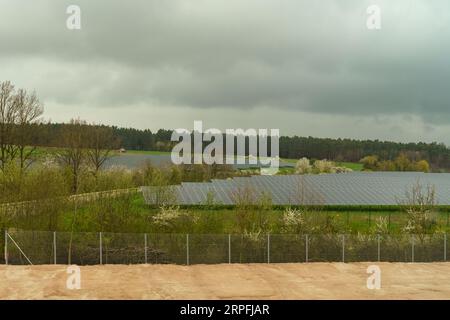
(145,248)
(343,248)
(445,247)
(306,248)
(187,249)
(379,247)
(229,248)
(412,248)
(6,246)
(268,248)
(54,247)
(101,249)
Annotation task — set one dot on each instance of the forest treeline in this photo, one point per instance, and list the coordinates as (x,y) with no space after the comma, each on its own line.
(22,130)
(351,150)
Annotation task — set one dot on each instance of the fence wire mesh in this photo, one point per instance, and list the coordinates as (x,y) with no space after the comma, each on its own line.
(90,248)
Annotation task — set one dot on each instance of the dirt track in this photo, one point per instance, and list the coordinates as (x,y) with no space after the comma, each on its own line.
(236,281)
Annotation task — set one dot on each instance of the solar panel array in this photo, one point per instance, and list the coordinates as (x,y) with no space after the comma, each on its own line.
(355,188)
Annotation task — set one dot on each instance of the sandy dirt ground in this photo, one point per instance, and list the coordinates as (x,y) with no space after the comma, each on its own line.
(235,281)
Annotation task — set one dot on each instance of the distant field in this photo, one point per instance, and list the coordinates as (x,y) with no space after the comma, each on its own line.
(147,152)
(163,156)
(355,166)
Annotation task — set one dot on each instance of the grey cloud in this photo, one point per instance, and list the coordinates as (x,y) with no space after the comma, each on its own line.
(305,56)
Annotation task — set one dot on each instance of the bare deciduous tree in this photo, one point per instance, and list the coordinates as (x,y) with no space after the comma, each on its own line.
(7,119)
(73,141)
(101,143)
(29,109)
(19,111)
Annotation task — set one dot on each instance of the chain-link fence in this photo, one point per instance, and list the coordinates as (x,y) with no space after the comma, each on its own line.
(89,248)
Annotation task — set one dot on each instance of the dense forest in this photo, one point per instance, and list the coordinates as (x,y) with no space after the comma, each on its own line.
(437,154)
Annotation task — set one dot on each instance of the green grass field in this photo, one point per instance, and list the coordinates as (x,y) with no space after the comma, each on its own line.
(130,214)
(355,166)
(145,152)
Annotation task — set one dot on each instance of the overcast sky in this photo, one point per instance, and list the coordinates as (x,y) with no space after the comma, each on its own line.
(305,67)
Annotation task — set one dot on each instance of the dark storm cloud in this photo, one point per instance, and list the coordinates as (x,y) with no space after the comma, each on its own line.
(290,55)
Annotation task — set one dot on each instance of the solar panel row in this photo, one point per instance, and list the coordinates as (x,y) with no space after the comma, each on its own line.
(356,188)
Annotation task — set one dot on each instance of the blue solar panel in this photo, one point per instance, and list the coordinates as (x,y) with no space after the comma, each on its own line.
(356,188)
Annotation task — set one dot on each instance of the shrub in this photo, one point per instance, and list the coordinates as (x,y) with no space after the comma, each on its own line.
(170,218)
(323,166)
(381,226)
(303,166)
(420,205)
(294,221)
